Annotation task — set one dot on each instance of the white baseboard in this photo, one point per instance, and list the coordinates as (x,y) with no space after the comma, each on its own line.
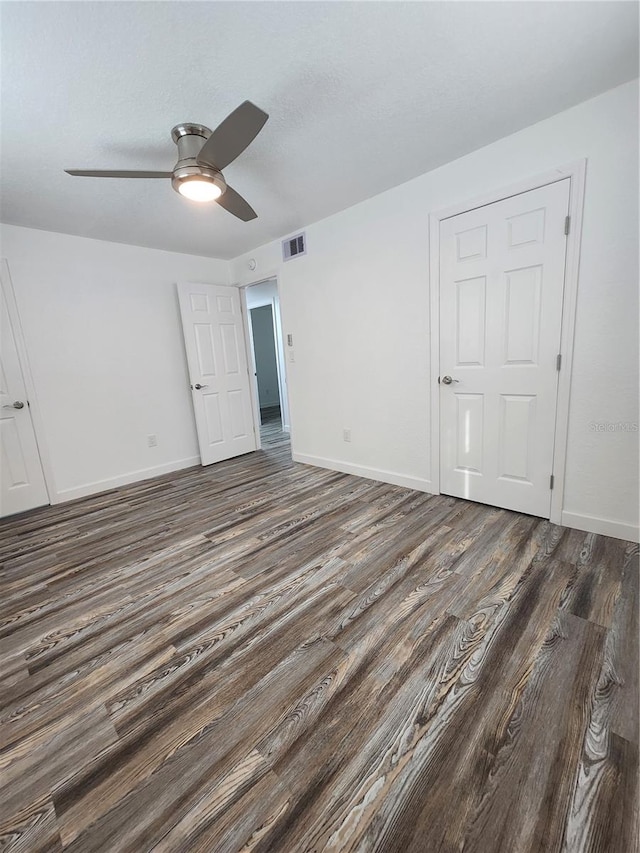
(604,526)
(286,428)
(109,483)
(382,476)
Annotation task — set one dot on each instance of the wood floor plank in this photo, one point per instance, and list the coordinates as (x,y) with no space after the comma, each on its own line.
(34,767)
(246,822)
(531,768)
(625,632)
(32,828)
(595,586)
(265,656)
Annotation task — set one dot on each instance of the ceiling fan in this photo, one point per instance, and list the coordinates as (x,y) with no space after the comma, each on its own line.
(202,154)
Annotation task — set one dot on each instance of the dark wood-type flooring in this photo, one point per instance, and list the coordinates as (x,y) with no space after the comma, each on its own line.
(262,656)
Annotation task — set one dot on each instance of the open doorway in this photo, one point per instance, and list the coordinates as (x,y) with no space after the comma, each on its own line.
(267,350)
(266,364)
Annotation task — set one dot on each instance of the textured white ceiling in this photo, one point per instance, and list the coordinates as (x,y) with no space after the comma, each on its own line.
(362,96)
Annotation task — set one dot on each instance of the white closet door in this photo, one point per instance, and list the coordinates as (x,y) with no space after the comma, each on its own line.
(501,293)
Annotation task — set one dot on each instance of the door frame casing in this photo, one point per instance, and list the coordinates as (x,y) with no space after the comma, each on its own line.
(6,284)
(253,381)
(576,173)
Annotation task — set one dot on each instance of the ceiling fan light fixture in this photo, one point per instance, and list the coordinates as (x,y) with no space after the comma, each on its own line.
(198,183)
(199,189)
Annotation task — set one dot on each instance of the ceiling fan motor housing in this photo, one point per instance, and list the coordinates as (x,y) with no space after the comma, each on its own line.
(190,138)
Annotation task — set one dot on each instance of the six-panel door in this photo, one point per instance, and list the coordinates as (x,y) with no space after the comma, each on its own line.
(501,293)
(216,355)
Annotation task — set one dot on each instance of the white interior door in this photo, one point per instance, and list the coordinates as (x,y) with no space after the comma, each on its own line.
(501,293)
(22,484)
(217,359)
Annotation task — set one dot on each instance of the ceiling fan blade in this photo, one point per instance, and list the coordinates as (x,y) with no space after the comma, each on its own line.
(101,173)
(234,203)
(232,136)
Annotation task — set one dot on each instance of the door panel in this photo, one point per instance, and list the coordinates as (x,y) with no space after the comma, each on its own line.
(205,350)
(22,484)
(230,348)
(501,292)
(237,411)
(470,429)
(470,327)
(522,315)
(213,418)
(516,438)
(213,334)
(14,467)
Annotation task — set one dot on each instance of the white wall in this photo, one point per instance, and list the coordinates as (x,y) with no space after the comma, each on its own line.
(105,347)
(262,293)
(358,307)
(264,350)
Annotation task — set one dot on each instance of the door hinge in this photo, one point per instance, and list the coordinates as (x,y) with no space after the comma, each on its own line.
(559,361)
(551,481)
(567,224)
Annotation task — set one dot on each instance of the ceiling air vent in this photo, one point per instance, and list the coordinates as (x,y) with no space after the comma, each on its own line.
(294,246)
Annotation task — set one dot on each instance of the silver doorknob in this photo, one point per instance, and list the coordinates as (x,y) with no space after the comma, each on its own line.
(447,380)
(198,386)
(17,405)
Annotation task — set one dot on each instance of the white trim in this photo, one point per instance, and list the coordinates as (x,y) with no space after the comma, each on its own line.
(123,480)
(577,177)
(434,342)
(378,474)
(283,379)
(34,407)
(251,360)
(603,526)
(576,172)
